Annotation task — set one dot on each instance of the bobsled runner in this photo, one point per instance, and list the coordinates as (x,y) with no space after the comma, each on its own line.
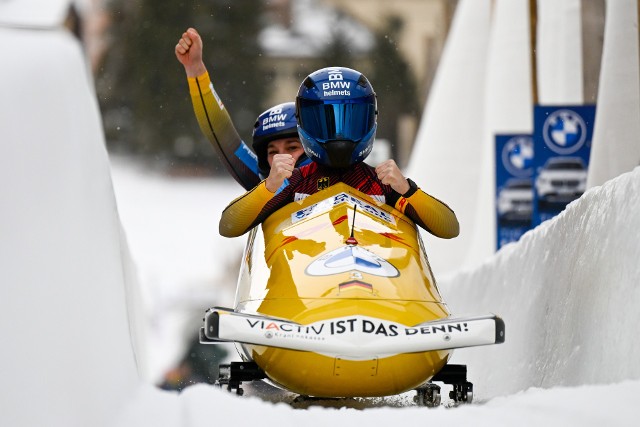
(336,298)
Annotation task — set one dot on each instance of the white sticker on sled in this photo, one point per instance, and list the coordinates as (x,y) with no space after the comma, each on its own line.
(327,204)
(358,337)
(351,258)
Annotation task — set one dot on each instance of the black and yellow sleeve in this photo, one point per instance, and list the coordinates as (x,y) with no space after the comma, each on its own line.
(215,123)
(242,214)
(428,212)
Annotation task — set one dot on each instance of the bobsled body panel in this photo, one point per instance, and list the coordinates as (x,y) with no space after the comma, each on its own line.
(305,255)
(300,268)
(319,375)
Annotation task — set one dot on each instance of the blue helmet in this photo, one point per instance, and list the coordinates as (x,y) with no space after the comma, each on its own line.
(337,110)
(277,122)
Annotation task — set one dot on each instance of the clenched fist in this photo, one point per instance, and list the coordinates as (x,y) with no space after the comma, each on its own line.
(389,173)
(281,168)
(189,53)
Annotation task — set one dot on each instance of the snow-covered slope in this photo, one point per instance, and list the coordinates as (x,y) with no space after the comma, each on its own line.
(33,14)
(446,158)
(568,292)
(616,146)
(67,357)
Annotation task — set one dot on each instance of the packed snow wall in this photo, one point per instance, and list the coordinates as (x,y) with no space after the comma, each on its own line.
(568,293)
(67,355)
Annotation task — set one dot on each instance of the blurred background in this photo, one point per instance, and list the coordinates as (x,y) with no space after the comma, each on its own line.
(258,52)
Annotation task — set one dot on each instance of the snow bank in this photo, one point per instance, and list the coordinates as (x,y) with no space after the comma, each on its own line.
(559,52)
(202,406)
(568,292)
(33,13)
(184,266)
(67,356)
(508,109)
(616,145)
(446,158)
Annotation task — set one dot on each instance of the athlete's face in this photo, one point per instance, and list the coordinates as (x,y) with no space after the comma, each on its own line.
(284,146)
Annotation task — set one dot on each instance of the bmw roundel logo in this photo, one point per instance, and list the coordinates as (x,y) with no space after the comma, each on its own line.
(517,156)
(564,131)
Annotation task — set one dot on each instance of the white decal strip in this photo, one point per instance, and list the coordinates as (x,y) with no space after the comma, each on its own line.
(358,337)
(328,204)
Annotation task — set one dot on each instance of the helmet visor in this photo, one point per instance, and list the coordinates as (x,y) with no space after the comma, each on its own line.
(337,120)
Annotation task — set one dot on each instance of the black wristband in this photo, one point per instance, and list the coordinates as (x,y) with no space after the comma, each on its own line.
(412,189)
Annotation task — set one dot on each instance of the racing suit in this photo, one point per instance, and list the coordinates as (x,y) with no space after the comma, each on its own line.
(256,205)
(215,123)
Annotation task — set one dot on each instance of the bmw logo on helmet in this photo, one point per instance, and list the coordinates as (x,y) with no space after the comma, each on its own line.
(337,111)
(277,122)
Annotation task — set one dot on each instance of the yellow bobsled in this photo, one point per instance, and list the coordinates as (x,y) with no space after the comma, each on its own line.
(336,299)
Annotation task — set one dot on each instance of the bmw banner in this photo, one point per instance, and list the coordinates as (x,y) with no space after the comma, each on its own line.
(562,144)
(514,187)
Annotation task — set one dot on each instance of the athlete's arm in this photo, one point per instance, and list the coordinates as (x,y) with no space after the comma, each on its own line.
(425,210)
(242,214)
(428,212)
(213,119)
(255,206)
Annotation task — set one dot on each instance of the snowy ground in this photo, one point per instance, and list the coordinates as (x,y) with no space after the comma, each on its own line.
(586,406)
(183,263)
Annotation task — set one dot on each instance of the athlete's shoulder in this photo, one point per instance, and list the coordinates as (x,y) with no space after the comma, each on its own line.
(366,170)
(308,169)
(363,165)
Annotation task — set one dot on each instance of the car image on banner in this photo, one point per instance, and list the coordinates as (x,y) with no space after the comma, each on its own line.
(514,187)
(515,201)
(562,145)
(561,180)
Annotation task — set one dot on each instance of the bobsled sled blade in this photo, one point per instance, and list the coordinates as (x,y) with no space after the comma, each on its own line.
(358,337)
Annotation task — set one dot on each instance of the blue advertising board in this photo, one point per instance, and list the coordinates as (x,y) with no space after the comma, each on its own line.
(562,145)
(514,187)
